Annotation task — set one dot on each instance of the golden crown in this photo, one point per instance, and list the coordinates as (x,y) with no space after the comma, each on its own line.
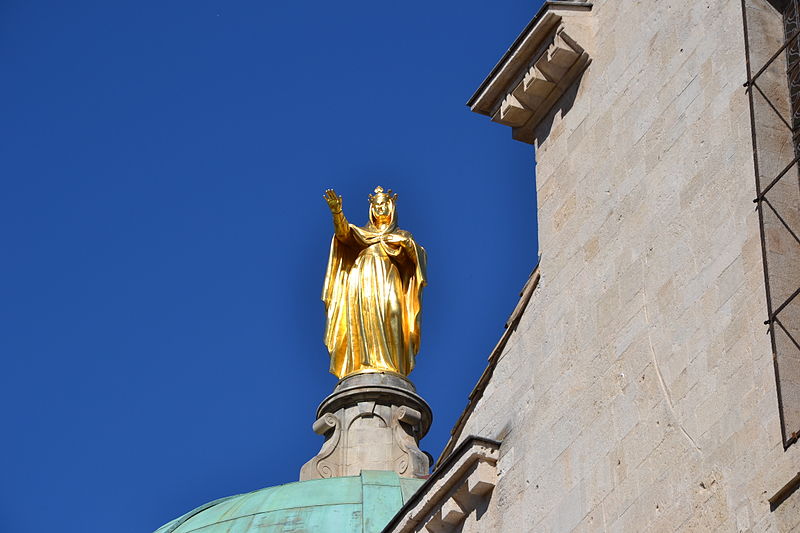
(379,193)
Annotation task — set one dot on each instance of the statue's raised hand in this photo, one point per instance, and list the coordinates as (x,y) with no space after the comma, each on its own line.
(334,201)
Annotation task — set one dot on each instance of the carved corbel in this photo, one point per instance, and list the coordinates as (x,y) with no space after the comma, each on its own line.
(461,484)
(538,69)
(543,83)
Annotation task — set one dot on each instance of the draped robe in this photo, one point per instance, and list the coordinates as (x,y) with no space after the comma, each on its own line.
(372,296)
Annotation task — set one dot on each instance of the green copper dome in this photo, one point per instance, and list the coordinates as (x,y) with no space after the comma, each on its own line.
(355,504)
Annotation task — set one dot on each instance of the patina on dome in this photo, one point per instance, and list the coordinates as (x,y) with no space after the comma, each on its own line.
(352,504)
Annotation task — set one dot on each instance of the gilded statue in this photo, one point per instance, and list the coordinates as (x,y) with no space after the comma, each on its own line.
(372,291)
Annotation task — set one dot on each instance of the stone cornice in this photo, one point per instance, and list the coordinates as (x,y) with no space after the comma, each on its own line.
(543,62)
(455,489)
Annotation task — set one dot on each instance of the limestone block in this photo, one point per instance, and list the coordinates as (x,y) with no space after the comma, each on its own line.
(437,525)
(452,513)
(482,479)
(534,88)
(512,112)
(559,57)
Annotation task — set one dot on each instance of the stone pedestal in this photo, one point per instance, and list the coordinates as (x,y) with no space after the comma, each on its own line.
(372,421)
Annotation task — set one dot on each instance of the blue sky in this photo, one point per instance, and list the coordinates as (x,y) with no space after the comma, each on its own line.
(164,236)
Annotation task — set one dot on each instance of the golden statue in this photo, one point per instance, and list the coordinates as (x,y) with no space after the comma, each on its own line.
(373,291)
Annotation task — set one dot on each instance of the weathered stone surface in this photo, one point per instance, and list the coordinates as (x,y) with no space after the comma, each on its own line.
(372,421)
(638,390)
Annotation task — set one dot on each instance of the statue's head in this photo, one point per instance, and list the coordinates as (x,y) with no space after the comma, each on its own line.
(382,207)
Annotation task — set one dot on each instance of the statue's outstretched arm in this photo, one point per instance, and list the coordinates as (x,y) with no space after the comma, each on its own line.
(340,225)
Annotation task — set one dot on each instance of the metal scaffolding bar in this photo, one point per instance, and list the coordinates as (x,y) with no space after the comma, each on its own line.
(790,50)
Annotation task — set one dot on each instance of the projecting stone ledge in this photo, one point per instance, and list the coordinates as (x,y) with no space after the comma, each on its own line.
(541,65)
(460,485)
(372,421)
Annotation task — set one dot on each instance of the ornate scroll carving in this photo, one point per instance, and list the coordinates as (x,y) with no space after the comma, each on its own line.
(372,422)
(405,419)
(319,466)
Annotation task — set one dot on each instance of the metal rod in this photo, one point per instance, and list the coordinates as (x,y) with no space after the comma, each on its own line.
(772,106)
(771,59)
(788,228)
(760,197)
(791,337)
(760,210)
(784,304)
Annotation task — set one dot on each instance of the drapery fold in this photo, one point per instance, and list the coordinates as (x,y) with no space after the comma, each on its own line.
(372,295)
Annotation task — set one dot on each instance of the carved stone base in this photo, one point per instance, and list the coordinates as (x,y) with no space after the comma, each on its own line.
(372,421)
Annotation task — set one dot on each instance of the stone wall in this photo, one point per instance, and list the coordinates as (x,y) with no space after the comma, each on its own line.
(638,392)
